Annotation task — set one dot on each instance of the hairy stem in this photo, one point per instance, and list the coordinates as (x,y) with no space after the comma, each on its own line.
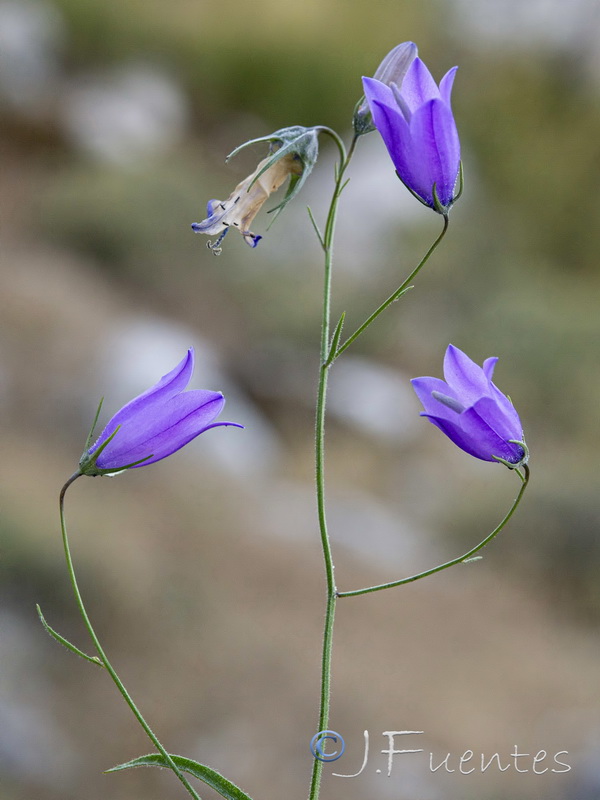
(394,296)
(327,244)
(102,655)
(461,559)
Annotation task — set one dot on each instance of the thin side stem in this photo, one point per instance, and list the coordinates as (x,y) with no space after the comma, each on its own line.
(461,559)
(394,296)
(327,244)
(108,666)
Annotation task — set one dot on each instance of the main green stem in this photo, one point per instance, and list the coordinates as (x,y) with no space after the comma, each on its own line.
(329,352)
(106,663)
(315,784)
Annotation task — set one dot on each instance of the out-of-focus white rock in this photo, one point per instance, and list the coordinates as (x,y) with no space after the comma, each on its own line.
(142,349)
(125,115)
(374,398)
(357,522)
(32,35)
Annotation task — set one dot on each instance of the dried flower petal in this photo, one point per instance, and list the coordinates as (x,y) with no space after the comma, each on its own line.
(293,154)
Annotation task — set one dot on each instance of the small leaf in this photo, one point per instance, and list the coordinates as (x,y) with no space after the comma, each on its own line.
(88,443)
(316,227)
(470,560)
(335,339)
(205,774)
(61,640)
(401,292)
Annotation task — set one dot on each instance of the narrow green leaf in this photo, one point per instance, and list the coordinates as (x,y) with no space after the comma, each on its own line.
(88,443)
(316,227)
(61,640)
(335,339)
(205,774)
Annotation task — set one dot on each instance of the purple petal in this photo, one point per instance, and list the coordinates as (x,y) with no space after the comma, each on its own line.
(152,399)
(418,87)
(376,91)
(424,387)
(510,417)
(446,85)
(435,140)
(473,435)
(488,367)
(501,400)
(396,135)
(486,428)
(464,376)
(401,103)
(506,425)
(177,422)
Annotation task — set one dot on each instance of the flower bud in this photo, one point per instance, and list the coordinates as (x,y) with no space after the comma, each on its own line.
(392,69)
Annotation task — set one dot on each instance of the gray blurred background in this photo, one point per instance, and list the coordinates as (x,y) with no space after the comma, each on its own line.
(203,573)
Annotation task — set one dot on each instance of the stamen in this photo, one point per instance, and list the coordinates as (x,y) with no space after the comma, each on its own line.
(449,402)
(214,247)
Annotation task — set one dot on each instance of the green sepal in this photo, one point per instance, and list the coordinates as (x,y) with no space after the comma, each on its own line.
(205,774)
(518,464)
(461,182)
(298,141)
(88,443)
(87,462)
(437,205)
(362,119)
(65,642)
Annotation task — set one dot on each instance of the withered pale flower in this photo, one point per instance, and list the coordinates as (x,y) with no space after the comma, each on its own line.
(293,154)
(246,200)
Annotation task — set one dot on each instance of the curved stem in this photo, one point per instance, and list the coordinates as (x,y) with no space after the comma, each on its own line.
(395,295)
(327,244)
(461,559)
(106,663)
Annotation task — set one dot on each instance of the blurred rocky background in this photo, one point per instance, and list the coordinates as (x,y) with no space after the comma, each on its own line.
(203,573)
